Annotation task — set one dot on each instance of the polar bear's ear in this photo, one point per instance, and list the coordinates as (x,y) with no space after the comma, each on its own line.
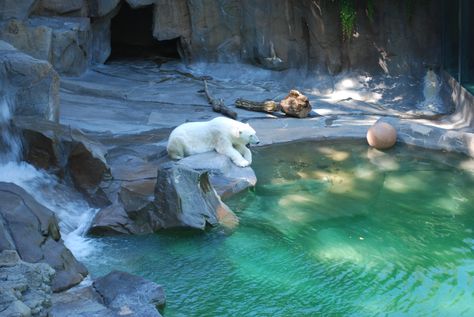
(236,132)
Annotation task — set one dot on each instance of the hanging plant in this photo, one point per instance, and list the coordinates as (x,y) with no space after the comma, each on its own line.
(370,10)
(347,14)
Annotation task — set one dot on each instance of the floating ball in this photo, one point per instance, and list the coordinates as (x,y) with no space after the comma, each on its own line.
(381,135)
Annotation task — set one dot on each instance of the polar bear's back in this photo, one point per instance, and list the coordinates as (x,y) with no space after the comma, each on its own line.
(193,138)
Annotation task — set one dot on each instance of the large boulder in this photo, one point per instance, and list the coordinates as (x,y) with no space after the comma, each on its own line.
(185,197)
(32,230)
(25,288)
(79,302)
(116,294)
(34,41)
(131,189)
(68,153)
(63,41)
(32,83)
(114,220)
(16,9)
(181,195)
(126,292)
(227,178)
(71,40)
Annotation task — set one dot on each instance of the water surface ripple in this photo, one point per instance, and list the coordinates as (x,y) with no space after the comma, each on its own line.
(330,229)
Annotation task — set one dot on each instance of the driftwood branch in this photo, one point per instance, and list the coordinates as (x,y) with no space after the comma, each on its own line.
(218,104)
(264,106)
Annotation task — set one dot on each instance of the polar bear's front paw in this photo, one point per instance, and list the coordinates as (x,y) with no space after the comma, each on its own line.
(242,163)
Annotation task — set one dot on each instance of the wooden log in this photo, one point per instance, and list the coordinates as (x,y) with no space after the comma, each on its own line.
(296,105)
(264,106)
(218,104)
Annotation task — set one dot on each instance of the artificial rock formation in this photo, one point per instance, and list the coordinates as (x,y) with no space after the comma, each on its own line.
(71,34)
(25,288)
(66,152)
(116,294)
(32,230)
(295,105)
(76,33)
(182,194)
(31,84)
(184,197)
(227,178)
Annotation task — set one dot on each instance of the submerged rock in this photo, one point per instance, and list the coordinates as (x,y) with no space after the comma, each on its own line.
(25,288)
(32,230)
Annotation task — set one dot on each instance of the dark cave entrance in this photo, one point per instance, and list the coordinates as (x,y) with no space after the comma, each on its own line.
(132,36)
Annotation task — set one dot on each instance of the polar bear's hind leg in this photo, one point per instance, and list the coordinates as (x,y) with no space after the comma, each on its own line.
(175,149)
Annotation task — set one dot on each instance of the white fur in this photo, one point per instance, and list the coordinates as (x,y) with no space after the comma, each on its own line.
(225,136)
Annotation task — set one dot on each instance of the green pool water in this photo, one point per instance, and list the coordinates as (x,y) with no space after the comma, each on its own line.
(330,229)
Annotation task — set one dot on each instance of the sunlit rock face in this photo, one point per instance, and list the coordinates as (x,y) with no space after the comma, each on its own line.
(382,135)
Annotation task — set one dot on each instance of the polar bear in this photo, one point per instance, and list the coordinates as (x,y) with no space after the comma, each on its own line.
(225,136)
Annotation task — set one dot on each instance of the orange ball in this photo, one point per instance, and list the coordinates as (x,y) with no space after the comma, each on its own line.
(381,136)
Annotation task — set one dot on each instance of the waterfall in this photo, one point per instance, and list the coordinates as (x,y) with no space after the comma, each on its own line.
(73,212)
(10,143)
(431,88)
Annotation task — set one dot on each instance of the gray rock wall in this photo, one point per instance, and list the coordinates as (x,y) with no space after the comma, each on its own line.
(289,33)
(32,83)
(25,288)
(274,34)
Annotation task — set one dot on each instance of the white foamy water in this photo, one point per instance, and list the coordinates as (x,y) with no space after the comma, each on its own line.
(73,213)
(431,89)
(10,144)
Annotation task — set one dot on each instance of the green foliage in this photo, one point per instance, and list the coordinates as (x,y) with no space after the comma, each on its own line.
(370,10)
(347,13)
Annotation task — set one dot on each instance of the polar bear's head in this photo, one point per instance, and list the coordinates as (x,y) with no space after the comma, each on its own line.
(247,134)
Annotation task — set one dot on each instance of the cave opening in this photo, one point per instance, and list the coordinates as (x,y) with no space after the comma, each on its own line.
(132,36)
